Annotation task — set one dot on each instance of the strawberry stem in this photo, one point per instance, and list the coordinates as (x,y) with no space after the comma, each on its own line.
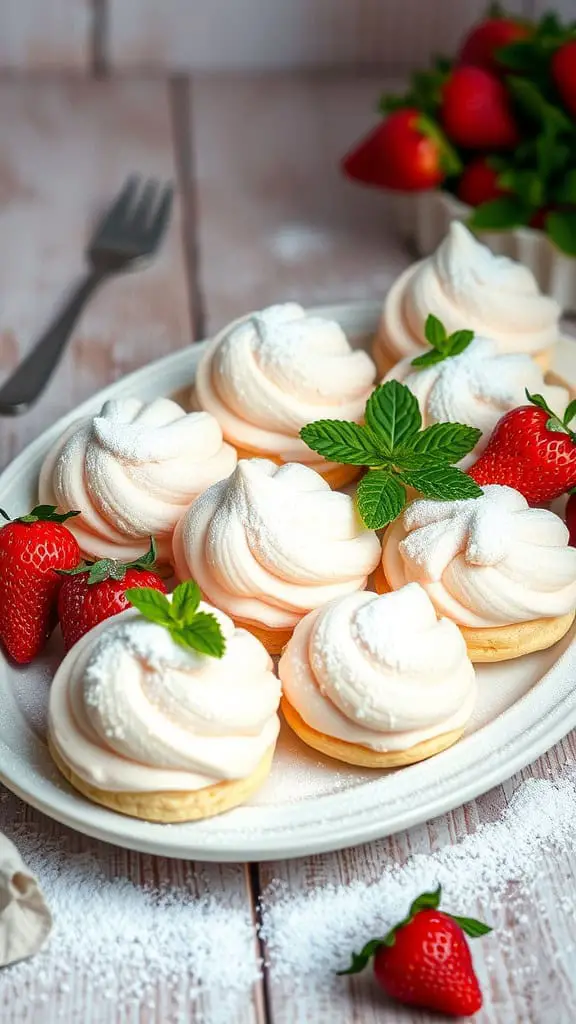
(41,514)
(112,568)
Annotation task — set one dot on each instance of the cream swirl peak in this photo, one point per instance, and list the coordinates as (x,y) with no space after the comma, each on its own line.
(272,542)
(132,711)
(476,387)
(268,374)
(131,471)
(466,286)
(489,561)
(383,672)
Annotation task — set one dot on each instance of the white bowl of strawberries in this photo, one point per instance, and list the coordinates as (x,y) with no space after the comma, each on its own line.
(488,138)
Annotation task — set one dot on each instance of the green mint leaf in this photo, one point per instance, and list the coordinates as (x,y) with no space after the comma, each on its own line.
(441,482)
(470,926)
(532,101)
(570,412)
(392,414)
(152,604)
(360,960)
(517,56)
(340,441)
(435,332)
(499,214)
(526,184)
(185,601)
(458,342)
(428,359)
(202,634)
(447,442)
(380,498)
(561,229)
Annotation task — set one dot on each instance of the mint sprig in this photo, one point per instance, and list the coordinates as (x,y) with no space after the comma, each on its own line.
(400,453)
(556,423)
(196,630)
(443,344)
(426,901)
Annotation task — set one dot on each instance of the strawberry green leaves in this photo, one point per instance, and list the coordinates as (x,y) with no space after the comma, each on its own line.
(112,568)
(443,344)
(196,630)
(41,513)
(426,901)
(558,424)
(397,452)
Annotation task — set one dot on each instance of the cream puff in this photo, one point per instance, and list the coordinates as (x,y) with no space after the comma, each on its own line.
(132,471)
(466,286)
(476,387)
(267,375)
(154,730)
(271,543)
(502,571)
(377,681)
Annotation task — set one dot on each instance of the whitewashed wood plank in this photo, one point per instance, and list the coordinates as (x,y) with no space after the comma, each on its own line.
(275,221)
(40,36)
(65,150)
(253,34)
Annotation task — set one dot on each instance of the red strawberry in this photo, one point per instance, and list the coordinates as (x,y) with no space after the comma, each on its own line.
(425,960)
(483,40)
(32,548)
(571,518)
(476,112)
(93,592)
(532,450)
(564,74)
(403,152)
(479,183)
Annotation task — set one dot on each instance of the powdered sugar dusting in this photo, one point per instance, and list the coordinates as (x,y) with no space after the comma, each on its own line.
(311,935)
(126,938)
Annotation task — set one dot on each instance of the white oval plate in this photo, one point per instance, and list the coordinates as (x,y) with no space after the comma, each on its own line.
(309,804)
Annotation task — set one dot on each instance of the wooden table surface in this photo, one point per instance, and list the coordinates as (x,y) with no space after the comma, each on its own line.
(262,216)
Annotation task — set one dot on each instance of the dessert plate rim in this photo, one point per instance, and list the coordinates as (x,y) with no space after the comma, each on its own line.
(381,806)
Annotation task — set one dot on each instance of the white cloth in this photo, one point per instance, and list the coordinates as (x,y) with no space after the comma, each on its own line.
(25,920)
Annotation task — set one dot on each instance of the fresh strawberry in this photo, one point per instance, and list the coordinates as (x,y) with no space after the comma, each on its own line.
(533,450)
(564,74)
(482,43)
(93,592)
(404,152)
(571,518)
(32,548)
(425,960)
(479,183)
(476,112)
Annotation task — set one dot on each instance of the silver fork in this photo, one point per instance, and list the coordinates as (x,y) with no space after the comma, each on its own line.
(129,231)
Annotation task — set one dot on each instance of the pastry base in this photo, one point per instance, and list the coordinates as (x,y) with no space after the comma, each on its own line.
(336,476)
(170,806)
(274,640)
(353,753)
(502,643)
(386,360)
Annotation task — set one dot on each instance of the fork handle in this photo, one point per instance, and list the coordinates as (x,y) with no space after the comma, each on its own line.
(32,375)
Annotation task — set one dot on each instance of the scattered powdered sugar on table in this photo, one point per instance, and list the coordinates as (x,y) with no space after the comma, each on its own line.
(127,938)
(311,935)
(295,242)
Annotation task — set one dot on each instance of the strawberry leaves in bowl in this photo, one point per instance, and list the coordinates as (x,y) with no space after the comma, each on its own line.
(397,452)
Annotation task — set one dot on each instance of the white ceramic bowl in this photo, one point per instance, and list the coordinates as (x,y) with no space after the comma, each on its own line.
(424,217)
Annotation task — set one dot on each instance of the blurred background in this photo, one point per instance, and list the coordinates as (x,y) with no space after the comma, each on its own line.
(215,35)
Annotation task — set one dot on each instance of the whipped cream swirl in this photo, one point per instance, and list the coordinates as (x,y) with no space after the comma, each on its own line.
(131,471)
(272,542)
(487,561)
(383,672)
(269,374)
(476,387)
(132,711)
(466,286)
